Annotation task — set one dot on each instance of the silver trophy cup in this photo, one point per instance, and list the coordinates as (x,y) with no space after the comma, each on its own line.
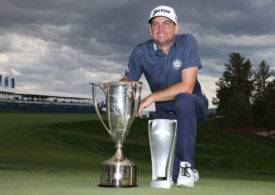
(162,137)
(122,101)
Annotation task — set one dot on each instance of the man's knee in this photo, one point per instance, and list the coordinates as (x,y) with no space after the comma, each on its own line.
(185,104)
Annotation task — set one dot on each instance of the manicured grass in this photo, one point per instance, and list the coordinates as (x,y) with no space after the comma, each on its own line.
(62,154)
(24,180)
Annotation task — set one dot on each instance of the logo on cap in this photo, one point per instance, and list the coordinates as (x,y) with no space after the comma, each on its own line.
(160,10)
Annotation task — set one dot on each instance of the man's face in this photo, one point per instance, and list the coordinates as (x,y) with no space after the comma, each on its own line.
(163,31)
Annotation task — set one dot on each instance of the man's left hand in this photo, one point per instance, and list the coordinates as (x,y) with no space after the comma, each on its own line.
(145,103)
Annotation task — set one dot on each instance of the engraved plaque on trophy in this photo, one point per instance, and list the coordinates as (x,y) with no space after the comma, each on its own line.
(122,101)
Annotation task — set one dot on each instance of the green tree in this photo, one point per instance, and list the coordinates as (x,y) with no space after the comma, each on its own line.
(269,120)
(263,97)
(261,76)
(234,92)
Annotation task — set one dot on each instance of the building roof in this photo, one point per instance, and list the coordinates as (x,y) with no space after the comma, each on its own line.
(45,93)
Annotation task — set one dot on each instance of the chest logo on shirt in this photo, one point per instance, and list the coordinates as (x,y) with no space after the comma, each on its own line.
(177,64)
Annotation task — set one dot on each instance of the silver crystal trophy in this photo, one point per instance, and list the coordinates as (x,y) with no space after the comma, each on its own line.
(162,137)
(122,101)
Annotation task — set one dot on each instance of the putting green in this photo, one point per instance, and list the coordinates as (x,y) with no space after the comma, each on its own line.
(62,154)
(26,180)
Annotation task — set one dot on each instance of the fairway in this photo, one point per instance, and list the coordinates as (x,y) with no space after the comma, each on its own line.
(62,154)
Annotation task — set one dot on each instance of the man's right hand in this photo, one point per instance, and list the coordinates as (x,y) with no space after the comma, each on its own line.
(125,79)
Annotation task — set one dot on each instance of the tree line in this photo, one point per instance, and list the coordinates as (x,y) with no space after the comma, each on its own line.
(245,95)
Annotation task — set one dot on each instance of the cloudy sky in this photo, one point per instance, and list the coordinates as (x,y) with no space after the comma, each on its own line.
(62,45)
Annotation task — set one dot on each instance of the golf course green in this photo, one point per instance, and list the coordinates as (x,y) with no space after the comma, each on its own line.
(62,154)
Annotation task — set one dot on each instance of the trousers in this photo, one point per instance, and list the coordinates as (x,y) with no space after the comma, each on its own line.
(188,110)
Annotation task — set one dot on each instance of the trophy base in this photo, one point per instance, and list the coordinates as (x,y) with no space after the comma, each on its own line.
(115,186)
(161,184)
(118,174)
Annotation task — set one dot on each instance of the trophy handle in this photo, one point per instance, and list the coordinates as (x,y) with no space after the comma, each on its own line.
(101,87)
(95,104)
(138,91)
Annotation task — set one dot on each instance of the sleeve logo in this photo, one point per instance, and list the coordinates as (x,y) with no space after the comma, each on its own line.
(177,64)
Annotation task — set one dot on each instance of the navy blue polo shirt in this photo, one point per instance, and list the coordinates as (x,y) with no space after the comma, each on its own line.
(162,70)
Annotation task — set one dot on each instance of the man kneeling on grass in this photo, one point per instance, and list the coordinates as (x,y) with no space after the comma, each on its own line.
(170,63)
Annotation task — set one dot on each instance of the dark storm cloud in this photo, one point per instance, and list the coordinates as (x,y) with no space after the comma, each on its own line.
(234,16)
(123,23)
(86,20)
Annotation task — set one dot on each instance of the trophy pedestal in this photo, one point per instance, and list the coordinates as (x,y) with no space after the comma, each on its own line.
(162,137)
(161,184)
(118,172)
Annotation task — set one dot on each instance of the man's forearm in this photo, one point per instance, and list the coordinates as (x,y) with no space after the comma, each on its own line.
(171,92)
(186,85)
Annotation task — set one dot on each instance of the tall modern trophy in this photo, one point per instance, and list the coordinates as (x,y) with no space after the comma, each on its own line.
(162,137)
(122,101)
